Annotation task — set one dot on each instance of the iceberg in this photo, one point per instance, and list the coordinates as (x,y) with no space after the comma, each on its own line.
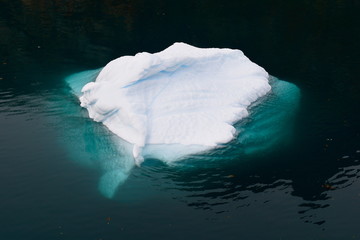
(185,100)
(184,96)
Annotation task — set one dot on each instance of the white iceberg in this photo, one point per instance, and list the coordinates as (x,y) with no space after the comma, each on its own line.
(183,96)
(184,100)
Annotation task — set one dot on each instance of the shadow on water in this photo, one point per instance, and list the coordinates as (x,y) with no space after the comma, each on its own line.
(222,187)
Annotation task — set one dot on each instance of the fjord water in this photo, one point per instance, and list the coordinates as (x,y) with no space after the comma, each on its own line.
(52,154)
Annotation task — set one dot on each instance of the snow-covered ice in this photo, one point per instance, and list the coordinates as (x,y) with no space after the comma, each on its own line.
(183,95)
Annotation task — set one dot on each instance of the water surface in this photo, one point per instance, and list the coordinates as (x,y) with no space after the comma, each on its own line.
(50,163)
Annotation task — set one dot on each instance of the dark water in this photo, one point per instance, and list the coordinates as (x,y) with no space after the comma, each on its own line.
(307,191)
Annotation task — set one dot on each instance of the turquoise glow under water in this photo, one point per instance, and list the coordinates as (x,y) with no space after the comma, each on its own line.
(268,128)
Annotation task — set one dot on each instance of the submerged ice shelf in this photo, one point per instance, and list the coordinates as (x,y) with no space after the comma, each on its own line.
(185,100)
